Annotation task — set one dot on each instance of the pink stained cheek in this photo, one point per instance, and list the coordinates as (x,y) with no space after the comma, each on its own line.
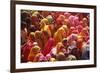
(79,27)
(76,21)
(72,28)
(71,20)
(75,32)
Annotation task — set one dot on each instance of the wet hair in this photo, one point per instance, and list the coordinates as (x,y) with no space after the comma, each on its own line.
(24,15)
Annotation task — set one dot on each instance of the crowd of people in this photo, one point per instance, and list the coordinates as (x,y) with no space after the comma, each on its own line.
(49,36)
